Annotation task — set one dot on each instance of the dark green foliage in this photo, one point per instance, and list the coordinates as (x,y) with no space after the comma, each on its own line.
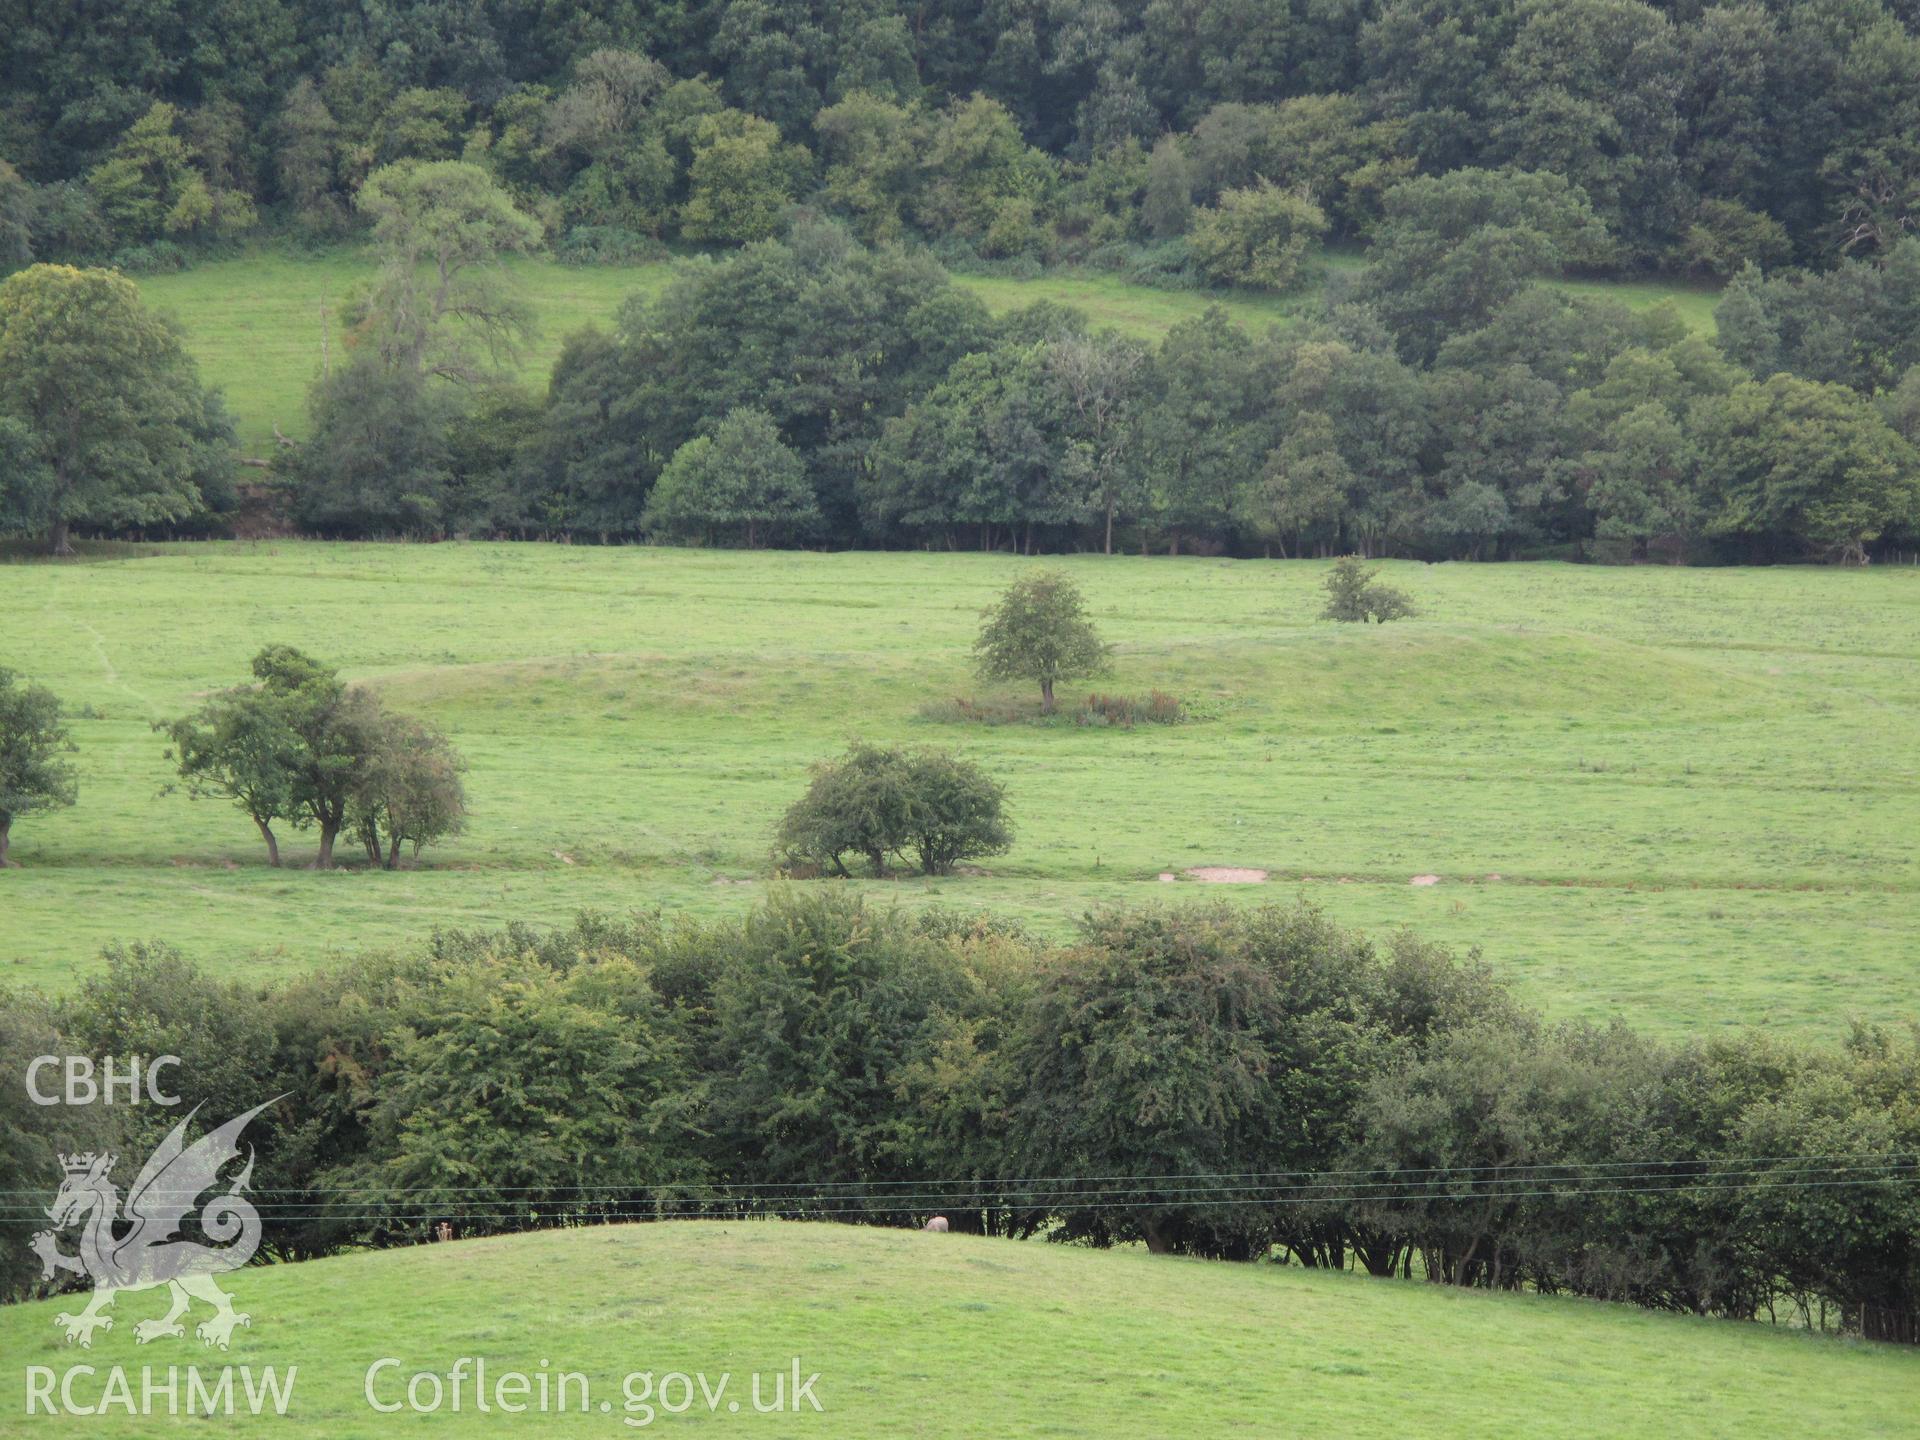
(102,418)
(407,790)
(773,329)
(33,1137)
(1212,1041)
(1452,249)
(743,479)
(821,1013)
(884,803)
(377,461)
(526,1092)
(301,746)
(1808,466)
(34,775)
(1217,1081)
(1354,595)
(1472,146)
(1702,135)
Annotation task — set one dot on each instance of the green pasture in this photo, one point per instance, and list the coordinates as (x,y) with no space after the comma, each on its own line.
(952,1335)
(1684,797)
(261,325)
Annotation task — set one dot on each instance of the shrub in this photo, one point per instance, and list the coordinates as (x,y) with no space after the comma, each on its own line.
(1353,595)
(1126,711)
(882,803)
(1257,236)
(960,710)
(820,1011)
(607,245)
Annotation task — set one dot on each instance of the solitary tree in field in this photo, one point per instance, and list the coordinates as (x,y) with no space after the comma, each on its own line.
(1039,631)
(33,776)
(102,418)
(1353,595)
(881,802)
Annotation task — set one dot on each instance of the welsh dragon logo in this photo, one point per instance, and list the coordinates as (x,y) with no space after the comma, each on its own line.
(140,1249)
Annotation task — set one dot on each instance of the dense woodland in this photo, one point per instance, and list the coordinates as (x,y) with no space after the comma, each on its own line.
(1705,136)
(811,377)
(1216,1082)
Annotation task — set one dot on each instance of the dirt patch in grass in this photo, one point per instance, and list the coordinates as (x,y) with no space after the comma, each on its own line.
(1225,875)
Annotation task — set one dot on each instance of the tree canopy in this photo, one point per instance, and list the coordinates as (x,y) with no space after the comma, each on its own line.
(102,417)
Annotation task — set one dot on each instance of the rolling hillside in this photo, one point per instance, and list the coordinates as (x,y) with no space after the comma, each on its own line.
(928,1335)
(256,323)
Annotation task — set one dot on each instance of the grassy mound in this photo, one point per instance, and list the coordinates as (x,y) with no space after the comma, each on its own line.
(929,1335)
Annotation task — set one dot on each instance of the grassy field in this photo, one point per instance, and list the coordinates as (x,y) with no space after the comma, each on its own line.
(256,324)
(1684,797)
(922,1335)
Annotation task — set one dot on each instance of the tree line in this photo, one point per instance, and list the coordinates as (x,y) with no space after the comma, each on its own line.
(1242,1084)
(1192,141)
(1440,402)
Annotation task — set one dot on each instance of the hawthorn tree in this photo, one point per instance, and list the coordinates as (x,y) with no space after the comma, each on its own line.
(1354,596)
(408,790)
(240,746)
(1038,630)
(33,776)
(882,802)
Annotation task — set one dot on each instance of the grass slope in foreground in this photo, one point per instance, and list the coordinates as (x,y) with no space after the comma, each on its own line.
(926,1335)
(1681,796)
(256,324)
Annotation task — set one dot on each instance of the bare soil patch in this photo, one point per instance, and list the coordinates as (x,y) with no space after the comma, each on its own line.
(1226,875)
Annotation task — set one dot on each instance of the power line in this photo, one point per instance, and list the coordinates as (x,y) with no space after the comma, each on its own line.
(819,1187)
(645,1209)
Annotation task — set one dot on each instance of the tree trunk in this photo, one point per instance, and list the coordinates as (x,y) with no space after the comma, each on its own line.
(1109,525)
(6,840)
(273,845)
(393,854)
(324,860)
(59,541)
(1046,696)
